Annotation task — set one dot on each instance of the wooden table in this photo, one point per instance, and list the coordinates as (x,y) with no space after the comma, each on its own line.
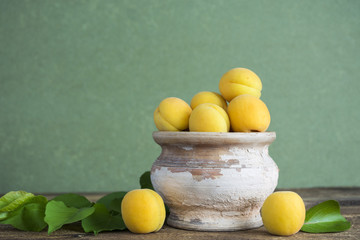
(349,199)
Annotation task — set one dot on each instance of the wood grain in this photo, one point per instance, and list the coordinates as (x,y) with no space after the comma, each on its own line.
(349,199)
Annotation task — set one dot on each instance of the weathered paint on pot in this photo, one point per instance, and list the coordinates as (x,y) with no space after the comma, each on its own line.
(214,181)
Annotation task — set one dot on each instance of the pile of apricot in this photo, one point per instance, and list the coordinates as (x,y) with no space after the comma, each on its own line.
(237,108)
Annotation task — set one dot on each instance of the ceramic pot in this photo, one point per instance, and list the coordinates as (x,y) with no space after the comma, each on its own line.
(214,181)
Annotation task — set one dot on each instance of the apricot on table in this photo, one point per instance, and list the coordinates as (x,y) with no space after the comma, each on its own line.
(172,114)
(143,211)
(248,114)
(208,97)
(209,117)
(283,213)
(238,81)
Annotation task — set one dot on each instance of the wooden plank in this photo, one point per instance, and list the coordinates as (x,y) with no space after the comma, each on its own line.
(74,232)
(349,199)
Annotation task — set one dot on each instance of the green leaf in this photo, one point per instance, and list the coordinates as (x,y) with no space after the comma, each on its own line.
(325,217)
(29,217)
(73,200)
(113,201)
(102,220)
(57,214)
(115,205)
(12,201)
(145,180)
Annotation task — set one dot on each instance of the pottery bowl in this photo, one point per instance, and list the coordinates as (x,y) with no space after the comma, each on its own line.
(214,181)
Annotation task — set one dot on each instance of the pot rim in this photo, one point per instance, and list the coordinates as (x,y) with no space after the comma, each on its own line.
(213,138)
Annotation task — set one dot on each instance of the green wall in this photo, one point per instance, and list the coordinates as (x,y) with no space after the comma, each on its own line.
(79,81)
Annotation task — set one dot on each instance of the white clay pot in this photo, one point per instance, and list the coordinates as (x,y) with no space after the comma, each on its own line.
(214,181)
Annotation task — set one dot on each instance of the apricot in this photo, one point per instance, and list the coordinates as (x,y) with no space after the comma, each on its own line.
(238,81)
(283,213)
(209,117)
(172,114)
(143,211)
(248,114)
(208,97)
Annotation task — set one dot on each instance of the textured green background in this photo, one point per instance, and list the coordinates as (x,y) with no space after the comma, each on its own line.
(79,81)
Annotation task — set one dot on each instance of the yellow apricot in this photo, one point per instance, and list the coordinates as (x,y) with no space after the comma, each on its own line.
(209,117)
(238,81)
(172,114)
(143,211)
(283,213)
(248,114)
(208,97)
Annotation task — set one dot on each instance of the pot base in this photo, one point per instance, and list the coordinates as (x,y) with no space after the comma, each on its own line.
(218,224)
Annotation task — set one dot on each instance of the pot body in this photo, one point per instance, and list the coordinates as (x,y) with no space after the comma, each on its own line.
(214,181)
